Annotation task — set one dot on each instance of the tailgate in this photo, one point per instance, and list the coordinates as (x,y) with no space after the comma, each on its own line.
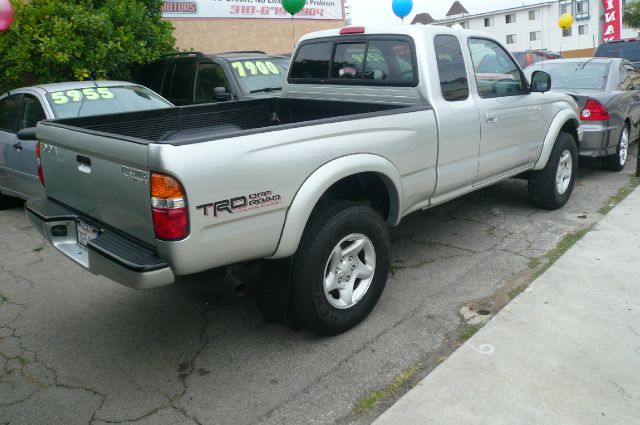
(104,178)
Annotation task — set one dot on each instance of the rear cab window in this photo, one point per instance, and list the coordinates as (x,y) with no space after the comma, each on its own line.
(629,50)
(380,60)
(454,83)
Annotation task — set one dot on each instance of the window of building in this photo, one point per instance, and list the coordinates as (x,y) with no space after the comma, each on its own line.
(533,15)
(534,36)
(583,29)
(566,6)
(451,68)
(510,19)
(582,9)
(465,24)
(512,39)
(567,32)
(488,22)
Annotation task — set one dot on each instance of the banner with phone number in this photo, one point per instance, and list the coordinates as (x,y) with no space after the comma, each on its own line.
(250,9)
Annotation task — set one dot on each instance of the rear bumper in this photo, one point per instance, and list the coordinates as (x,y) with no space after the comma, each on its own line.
(119,258)
(596,141)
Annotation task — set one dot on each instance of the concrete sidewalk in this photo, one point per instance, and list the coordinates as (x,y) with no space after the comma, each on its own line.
(567,351)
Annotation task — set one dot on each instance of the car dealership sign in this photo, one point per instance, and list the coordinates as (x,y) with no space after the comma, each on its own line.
(250,9)
(612,28)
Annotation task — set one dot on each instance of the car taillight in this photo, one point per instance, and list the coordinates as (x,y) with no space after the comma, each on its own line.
(529,59)
(594,111)
(40,175)
(351,30)
(168,208)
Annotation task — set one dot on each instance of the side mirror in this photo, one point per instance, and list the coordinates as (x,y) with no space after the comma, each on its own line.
(540,82)
(28,133)
(220,94)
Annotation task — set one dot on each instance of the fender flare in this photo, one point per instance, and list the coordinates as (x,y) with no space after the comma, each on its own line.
(558,122)
(321,180)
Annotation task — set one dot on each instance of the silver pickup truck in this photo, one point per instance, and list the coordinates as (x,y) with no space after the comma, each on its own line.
(374,123)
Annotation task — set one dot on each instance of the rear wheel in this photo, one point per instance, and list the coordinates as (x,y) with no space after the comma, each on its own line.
(340,269)
(617,161)
(551,187)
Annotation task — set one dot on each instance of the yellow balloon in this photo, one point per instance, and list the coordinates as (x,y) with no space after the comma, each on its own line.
(565,21)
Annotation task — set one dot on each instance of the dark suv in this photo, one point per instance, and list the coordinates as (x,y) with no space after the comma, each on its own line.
(194,77)
(529,57)
(628,49)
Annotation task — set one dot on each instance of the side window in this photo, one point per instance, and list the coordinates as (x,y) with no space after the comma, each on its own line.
(634,75)
(625,80)
(312,61)
(208,77)
(451,69)
(497,75)
(31,113)
(181,84)
(8,112)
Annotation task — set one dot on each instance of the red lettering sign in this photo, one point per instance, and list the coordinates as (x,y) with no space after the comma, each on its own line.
(612,26)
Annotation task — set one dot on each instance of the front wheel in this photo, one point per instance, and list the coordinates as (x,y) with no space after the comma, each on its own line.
(617,161)
(340,269)
(551,187)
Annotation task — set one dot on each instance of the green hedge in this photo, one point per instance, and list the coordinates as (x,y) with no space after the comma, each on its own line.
(62,40)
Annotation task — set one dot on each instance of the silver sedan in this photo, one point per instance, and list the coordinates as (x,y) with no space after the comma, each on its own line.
(608,93)
(21,109)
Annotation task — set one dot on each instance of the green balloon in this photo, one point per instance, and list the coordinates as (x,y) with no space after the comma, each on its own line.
(293,6)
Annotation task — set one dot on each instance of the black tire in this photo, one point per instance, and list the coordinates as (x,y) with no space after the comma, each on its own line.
(543,190)
(616,162)
(310,305)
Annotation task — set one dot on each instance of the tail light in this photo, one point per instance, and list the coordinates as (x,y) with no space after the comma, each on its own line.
(529,59)
(40,175)
(168,208)
(594,111)
(352,30)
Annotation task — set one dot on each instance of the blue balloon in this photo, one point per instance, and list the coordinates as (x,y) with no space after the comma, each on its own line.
(402,7)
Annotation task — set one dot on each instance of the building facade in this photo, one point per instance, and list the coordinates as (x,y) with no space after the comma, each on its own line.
(214,26)
(536,26)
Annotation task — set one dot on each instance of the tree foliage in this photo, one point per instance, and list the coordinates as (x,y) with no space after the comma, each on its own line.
(631,14)
(62,40)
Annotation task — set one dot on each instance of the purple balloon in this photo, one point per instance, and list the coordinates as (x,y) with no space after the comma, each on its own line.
(6,15)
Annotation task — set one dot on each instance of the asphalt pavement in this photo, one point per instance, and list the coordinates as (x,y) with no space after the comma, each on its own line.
(566,351)
(77,348)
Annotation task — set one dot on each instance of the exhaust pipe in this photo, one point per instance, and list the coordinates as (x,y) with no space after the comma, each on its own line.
(234,285)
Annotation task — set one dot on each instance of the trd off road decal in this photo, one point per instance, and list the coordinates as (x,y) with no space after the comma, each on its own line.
(240,204)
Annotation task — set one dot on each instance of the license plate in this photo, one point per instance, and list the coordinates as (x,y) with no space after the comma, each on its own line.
(86,233)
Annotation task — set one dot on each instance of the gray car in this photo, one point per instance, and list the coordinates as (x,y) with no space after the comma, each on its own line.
(608,93)
(21,109)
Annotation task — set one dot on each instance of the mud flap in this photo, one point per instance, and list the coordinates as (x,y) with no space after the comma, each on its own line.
(273,290)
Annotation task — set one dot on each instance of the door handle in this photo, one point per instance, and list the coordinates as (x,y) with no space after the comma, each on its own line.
(18,146)
(491,118)
(537,108)
(84,163)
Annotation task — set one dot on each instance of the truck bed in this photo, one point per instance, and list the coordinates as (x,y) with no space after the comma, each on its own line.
(197,123)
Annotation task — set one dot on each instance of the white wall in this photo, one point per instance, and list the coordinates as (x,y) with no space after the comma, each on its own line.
(547,24)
